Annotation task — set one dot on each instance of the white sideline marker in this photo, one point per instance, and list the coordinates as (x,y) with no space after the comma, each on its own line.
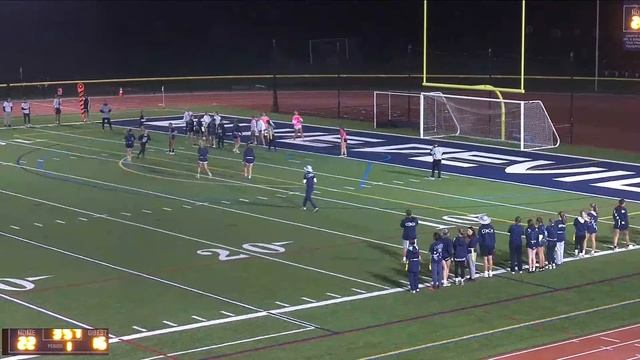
(404,282)
(414,180)
(83,219)
(348,187)
(280,195)
(398,182)
(333,295)
(358,290)
(72,157)
(307,299)
(225,202)
(139,328)
(146,211)
(60,222)
(186,206)
(125,213)
(198,318)
(169,323)
(282,304)
(244,200)
(166,209)
(14,227)
(37,224)
(262,198)
(227,313)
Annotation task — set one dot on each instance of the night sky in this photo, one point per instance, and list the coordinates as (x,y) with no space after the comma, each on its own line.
(93,39)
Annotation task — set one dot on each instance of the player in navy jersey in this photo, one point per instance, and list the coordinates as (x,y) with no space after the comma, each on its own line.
(248,158)
(408,224)
(144,139)
(172,139)
(222,132)
(487,241)
(447,254)
(203,159)
(309,180)
(472,244)
(561,228)
(580,225)
(552,241)
(189,126)
(620,224)
(459,256)
(592,227)
(198,130)
(516,232)
(129,141)
(413,266)
(542,242)
(532,238)
(436,261)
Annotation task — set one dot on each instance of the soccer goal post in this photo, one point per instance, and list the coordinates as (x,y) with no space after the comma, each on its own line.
(526,123)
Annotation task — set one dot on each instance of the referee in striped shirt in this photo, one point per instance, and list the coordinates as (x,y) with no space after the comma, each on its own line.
(436,163)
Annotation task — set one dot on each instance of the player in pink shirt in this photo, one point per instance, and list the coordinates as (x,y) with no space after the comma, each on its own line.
(343,142)
(297,125)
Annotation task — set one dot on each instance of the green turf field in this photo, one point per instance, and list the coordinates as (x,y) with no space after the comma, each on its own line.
(215,267)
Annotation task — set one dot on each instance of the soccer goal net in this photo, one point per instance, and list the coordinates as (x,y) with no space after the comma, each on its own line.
(396,108)
(523,122)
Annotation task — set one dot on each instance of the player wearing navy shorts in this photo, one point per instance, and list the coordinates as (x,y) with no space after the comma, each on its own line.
(552,242)
(203,159)
(413,266)
(592,227)
(172,139)
(447,253)
(129,141)
(580,225)
(531,235)
(310,181)
(487,241)
(248,158)
(408,224)
(620,224)
(542,242)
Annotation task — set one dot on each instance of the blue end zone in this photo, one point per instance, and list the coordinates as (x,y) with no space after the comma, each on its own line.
(586,176)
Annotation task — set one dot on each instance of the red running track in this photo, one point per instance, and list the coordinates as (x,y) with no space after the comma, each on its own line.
(619,344)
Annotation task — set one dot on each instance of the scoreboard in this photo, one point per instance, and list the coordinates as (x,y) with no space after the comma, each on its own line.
(631,25)
(47,341)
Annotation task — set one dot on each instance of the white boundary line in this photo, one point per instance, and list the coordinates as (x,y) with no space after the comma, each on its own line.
(231,343)
(564,342)
(197,239)
(517,326)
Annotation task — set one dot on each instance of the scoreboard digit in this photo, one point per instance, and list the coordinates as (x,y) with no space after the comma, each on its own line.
(47,341)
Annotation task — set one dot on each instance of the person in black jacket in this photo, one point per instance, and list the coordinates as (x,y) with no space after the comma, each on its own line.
(222,132)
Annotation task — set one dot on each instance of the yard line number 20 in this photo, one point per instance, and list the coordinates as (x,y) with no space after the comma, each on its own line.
(225,255)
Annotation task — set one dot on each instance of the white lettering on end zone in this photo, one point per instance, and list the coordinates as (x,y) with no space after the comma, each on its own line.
(623,184)
(526,168)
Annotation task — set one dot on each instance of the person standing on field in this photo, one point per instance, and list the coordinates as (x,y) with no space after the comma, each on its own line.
(561,228)
(7,108)
(436,162)
(26,112)
(57,108)
(413,267)
(516,232)
(105,109)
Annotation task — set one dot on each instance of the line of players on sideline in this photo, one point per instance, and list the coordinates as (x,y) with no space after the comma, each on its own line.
(544,243)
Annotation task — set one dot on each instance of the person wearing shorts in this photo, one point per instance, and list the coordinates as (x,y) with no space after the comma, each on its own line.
(248,158)
(343,142)
(580,225)
(532,239)
(203,159)
(447,255)
(620,224)
(236,134)
(542,243)
(487,241)
(408,224)
(172,139)
(129,142)
(297,120)
(592,227)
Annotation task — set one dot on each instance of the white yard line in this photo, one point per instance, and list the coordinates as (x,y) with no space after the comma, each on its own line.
(257,338)
(146,211)
(225,202)
(308,299)
(14,227)
(169,323)
(139,328)
(125,213)
(45,311)
(166,209)
(227,313)
(243,200)
(198,318)
(186,206)
(83,219)
(281,196)
(282,304)
(333,295)
(60,222)
(37,224)
(358,290)
(262,198)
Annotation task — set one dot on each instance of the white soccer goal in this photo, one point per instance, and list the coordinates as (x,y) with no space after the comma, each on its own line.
(523,122)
